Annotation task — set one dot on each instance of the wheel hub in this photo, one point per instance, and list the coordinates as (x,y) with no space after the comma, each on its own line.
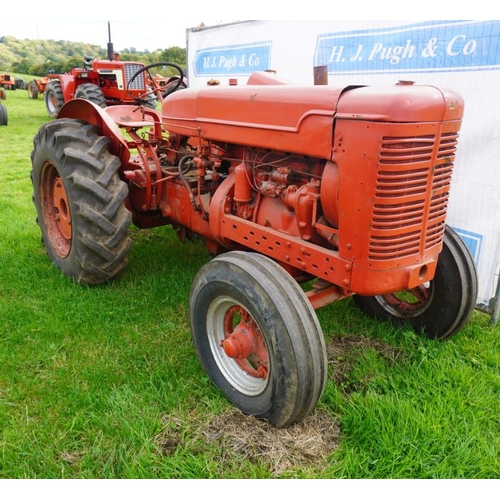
(56,210)
(243,342)
(60,203)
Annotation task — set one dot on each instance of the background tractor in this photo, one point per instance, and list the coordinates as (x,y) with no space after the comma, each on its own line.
(37,86)
(303,195)
(7,81)
(104,82)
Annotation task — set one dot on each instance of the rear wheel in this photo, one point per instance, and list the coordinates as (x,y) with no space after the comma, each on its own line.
(438,309)
(258,337)
(91,93)
(80,201)
(3,115)
(32,90)
(54,98)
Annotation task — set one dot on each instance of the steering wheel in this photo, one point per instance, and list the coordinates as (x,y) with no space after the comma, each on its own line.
(160,88)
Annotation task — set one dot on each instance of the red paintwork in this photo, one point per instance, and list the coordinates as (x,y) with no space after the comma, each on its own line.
(110,76)
(349,185)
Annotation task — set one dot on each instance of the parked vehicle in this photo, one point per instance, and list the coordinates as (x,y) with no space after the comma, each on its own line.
(344,188)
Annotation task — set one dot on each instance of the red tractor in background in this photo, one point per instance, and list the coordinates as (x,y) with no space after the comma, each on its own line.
(343,188)
(7,81)
(103,82)
(37,86)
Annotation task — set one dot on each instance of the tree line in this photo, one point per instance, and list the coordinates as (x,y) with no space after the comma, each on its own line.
(39,57)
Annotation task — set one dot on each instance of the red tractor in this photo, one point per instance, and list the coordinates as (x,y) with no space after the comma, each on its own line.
(7,81)
(345,189)
(103,82)
(37,86)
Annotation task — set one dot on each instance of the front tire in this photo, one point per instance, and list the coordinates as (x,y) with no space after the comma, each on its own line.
(54,98)
(441,307)
(91,93)
(258,337)
(80,201)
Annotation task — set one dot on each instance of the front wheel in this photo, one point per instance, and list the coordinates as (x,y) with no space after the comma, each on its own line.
(91,93)
(437,309)
(80,201)
(258,337)
(54,98)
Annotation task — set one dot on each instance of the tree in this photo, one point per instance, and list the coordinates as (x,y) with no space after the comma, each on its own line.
(175,55)
(22,66)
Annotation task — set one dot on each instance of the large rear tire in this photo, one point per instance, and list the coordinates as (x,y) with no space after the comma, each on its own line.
(80,201)
(54,98)
(258,337)
(441,307)
(92,93)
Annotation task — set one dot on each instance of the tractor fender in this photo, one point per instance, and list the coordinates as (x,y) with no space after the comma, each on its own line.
(81,109)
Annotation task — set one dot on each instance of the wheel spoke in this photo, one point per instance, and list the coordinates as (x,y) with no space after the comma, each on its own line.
(409,300)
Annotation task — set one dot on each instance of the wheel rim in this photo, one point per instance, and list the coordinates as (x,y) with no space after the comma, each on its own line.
(51,102)
(56,211)
(408,303)
(238,346)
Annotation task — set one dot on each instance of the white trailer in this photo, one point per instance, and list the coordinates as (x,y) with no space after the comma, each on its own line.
(461,55)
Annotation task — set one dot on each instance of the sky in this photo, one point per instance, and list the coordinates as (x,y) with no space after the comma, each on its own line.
(147,26)
(142,24)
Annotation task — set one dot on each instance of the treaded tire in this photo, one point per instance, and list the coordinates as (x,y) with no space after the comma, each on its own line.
(54,98)
(249,295)
(450,298)
(3,115)
(80,201)
(32,90)
(91,93)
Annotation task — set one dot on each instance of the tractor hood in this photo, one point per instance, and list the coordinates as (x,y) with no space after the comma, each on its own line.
(286,117)
(299,119)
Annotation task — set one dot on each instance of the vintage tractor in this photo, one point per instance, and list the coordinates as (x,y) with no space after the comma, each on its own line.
(303,195)
(103,82)
(20,83)
(37,87)
(7,81)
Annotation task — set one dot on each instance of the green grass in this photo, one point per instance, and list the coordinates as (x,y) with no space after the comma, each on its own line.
(91,377)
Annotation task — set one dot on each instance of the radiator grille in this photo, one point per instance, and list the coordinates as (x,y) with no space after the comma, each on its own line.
(405,178)
(138,83)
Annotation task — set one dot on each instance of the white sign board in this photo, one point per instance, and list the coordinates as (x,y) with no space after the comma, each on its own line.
(461,55)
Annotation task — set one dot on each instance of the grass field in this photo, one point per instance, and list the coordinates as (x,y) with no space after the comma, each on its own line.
(104,382)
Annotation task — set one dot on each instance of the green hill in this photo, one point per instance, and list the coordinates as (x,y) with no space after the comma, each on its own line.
(38,57)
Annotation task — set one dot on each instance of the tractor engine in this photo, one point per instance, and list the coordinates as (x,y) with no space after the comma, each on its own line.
(352,183)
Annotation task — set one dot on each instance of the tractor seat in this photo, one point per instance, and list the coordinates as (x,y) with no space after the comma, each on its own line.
(129,117)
